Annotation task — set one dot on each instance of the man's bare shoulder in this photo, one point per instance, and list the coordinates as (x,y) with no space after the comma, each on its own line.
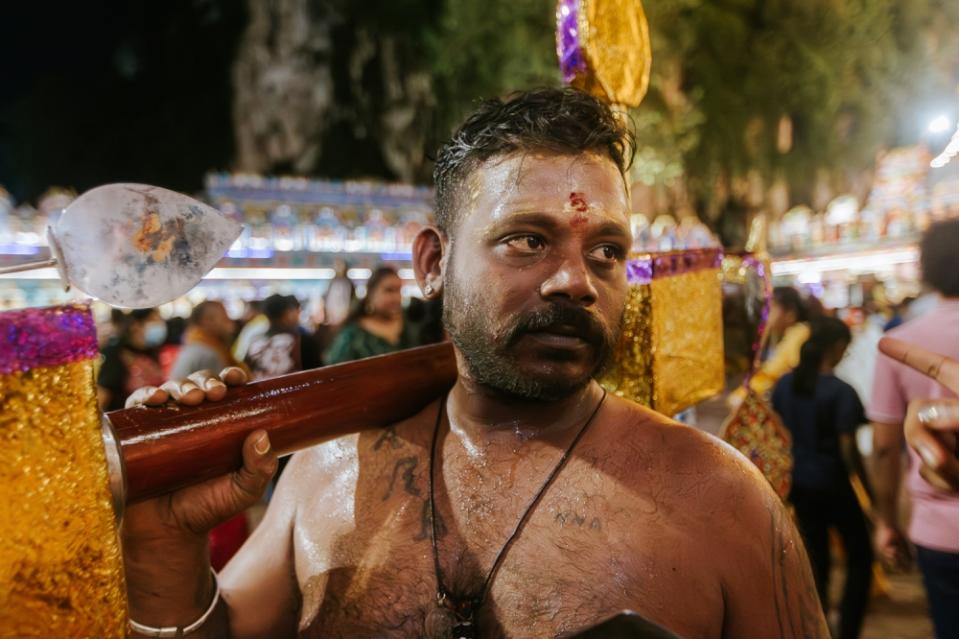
(681,464)
(688,481)
(646,433)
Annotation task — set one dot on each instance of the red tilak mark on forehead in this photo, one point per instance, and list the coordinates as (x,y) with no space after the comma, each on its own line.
(578,221)
(578,202)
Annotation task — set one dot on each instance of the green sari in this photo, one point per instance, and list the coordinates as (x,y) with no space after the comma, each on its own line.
(355,342)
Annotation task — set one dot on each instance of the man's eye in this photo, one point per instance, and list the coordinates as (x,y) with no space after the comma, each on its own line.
(526,243)
(607,253)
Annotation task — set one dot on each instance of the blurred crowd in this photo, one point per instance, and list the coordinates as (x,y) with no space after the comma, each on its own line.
(828,384)
(272,337)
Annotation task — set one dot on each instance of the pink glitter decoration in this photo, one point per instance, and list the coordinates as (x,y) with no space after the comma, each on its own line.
(41,337)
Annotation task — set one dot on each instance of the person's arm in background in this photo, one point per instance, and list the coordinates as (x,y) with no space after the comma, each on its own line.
(850,416)
(887,449)
(886,411)
(784,359)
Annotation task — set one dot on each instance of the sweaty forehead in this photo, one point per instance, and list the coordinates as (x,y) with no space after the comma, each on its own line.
(544,182)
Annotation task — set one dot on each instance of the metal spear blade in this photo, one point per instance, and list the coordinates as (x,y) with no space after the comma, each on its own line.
(137,246)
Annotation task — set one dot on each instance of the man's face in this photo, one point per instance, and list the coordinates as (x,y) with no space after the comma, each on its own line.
(535,279)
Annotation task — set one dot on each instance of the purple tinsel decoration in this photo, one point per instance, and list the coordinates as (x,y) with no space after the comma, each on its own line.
(639,271)
(645,269)
(41,337)
(569,47)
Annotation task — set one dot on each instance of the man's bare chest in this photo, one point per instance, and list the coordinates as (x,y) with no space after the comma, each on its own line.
(585,553)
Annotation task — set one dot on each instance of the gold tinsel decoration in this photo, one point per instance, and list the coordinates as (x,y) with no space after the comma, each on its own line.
(61,573)
(688,361)
(670,353)
(604,48)
(630,373)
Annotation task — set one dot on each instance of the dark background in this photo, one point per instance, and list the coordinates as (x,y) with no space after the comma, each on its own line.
(115,91)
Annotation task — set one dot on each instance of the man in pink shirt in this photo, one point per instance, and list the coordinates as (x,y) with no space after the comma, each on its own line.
(934,528)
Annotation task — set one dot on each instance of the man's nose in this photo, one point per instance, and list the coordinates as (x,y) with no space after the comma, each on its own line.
(572,281)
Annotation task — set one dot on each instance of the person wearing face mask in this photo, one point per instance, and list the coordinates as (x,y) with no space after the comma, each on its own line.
(376,325)
(130,360)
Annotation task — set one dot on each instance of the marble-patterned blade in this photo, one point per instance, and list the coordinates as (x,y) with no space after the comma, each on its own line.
(137,246)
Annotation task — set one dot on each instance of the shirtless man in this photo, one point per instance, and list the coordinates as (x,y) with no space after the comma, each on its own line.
(645,514)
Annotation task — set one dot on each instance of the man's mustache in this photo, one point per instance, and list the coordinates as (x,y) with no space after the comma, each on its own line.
(557,316)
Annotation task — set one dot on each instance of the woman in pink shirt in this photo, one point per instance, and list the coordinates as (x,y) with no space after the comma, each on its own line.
(934,527)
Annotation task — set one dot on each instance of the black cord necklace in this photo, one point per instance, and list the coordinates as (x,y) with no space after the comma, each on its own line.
(455,617)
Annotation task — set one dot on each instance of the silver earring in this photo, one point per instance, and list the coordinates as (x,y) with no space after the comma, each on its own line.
(428,289)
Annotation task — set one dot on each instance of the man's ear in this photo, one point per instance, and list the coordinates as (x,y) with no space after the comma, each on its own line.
(428,264)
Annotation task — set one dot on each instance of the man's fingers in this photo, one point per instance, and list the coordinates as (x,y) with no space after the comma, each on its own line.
(184,391)
(233,376)
(939,414)
(147,396)
(938,480)
(936,448)
(259,464)
(938,367)
(929,448)
(190,391)
(200,508)
(209,383)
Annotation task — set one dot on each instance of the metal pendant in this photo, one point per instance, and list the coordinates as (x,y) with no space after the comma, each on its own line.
(439,623)
(446,622)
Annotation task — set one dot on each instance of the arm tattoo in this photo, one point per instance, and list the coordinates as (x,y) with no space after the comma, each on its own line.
(799,613)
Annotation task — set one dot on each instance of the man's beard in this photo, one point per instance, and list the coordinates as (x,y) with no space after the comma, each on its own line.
(490,355)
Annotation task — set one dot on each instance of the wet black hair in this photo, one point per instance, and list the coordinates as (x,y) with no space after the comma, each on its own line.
(562,121)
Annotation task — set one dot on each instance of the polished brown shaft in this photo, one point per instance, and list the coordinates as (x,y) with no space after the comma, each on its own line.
(167,448)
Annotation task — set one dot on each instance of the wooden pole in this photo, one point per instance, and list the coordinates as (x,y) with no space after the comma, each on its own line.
(170,447)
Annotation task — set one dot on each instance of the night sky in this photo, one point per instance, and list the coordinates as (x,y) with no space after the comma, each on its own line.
(97,92)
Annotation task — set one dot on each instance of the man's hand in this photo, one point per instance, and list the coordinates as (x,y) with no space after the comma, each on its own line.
(165,539)
(200,386)
(197,509)
(931,426)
